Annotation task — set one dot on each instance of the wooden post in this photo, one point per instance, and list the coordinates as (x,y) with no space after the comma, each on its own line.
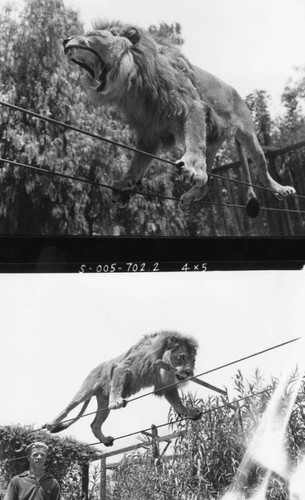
(155,446)
(103,479)
(154,442)
(285,217)
(85,481)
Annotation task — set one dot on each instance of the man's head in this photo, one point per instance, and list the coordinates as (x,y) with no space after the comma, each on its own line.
(37,453)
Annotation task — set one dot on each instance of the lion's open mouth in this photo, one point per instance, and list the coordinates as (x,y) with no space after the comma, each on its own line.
(101,78)
(181,376)
(84,66)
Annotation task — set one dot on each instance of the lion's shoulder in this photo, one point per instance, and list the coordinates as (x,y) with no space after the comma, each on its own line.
(140,362)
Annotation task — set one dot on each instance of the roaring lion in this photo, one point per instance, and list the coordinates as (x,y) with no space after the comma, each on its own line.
(165,98)
(113,381)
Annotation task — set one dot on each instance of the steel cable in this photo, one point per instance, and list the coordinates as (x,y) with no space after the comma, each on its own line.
(125,146)
(226,365)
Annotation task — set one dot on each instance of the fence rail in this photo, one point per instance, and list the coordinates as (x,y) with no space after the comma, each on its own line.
(153,442)
(270,152)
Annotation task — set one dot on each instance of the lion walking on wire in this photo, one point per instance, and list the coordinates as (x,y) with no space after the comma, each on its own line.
(164,98)
(113,381)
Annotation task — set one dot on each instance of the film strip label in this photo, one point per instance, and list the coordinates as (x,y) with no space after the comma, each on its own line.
(142,267)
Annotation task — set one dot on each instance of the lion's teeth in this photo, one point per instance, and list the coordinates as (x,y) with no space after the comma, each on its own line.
(94,86)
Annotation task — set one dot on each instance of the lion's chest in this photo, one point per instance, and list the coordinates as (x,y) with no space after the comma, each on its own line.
(147,120)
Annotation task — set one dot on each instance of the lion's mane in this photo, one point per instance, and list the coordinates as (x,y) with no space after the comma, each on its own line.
(156,78)
(150,349)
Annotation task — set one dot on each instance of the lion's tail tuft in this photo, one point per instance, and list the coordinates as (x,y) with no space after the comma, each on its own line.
(61,426)
(252,207)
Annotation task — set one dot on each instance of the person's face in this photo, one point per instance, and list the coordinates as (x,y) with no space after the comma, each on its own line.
(38,457)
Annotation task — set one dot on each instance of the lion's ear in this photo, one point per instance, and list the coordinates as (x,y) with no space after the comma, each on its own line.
(132,34)
(171,342)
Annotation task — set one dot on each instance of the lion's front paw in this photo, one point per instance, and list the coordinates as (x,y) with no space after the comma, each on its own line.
(194,413)
(122,191)
(194,194)
(193,169)
(117,403)
(121,198)
(124,184)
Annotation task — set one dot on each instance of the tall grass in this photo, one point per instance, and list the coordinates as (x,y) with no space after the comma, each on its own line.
(201,464)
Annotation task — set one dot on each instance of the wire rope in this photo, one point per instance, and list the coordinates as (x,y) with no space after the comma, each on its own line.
(210,410)
(175,384)
(125,146)
(136,192)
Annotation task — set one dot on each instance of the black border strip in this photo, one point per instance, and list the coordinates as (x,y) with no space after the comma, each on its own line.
(68,254)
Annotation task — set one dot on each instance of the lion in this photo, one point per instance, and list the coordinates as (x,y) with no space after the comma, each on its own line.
(166,99)
(113,381)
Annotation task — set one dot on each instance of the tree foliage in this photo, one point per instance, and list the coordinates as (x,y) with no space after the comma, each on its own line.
(36,76)
(67,457)
(292,126)
(258,103)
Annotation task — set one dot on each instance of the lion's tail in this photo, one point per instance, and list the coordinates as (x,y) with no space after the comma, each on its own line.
(252,205)
(64,425)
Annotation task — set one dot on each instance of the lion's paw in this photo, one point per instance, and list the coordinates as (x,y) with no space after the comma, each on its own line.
(193,169)
(194,413)
(108,441)
(194,194)
(122,191)
(117,403)
(124,185)
(283,192)
(120,198)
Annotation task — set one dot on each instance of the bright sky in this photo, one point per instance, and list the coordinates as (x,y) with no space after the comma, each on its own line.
(251,44)
(56,328)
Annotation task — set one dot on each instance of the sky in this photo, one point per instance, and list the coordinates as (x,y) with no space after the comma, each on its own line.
(250,44)
(56,328)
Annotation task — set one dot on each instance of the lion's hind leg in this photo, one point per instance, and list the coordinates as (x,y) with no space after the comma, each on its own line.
(248,139)
(252,204)
(100,417)
(84,395)
(123,188)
